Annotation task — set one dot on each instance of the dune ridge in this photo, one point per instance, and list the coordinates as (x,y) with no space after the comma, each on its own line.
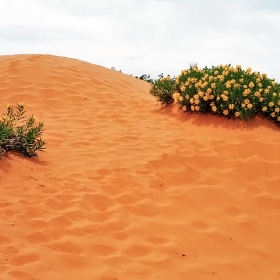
(129,190)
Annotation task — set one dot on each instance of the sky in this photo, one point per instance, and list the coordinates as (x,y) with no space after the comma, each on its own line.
(147,36)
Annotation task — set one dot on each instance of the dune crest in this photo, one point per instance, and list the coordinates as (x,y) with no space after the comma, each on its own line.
(127,190)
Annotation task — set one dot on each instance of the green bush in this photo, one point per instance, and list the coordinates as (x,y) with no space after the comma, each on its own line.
(19,133)
(221,90)
(163,88)
(146,78)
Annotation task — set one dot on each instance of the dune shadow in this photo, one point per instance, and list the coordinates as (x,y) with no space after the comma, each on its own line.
(6,161)
(208,119)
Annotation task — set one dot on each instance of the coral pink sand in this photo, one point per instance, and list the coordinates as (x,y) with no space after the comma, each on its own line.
(127,190)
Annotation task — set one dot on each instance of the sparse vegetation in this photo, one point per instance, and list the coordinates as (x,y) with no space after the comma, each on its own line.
(20,133)
(146,78)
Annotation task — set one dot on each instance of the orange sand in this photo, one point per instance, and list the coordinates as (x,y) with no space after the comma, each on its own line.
(126,190)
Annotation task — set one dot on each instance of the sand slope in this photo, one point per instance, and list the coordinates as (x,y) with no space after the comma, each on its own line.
(126,190)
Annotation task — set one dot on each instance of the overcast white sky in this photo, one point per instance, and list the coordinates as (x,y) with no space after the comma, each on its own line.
(147,36)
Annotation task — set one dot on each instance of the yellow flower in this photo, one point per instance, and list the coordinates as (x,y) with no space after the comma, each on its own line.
(218,98)
(205,98)
(216,72)
(212,104)
(251,84)
(277,110)
(246,101)
(264,109)
(181,98)
(176,96)
(257,94)
(232,81)
(278,103)
(241,80)
(221,66)
(225,112)
(237,114)
(266,91)
(196,101)
(211,96)
(246,92)
(191,100)
(258,80)
(236,85)
(274,94)
(213,85)
(260,84)
(197,108)
(214,108)
(231,106)
(272,115)
(278,119)
(192,108)
(249,70)
(238,66)
(225,98)
(221,78)
(271,104)
(196,96)
(250,106)
(264,75)
(211,78)
(201,93)
(209,90)
(185,108)
(168,78)
(261,99)
(273,83)
(187,97)
(243,105)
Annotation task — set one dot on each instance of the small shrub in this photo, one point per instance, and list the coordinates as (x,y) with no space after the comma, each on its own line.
(223,90)
(146,78)
(19,133)
(163,88)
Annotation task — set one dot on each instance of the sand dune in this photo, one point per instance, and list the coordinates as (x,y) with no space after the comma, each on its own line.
(127,190)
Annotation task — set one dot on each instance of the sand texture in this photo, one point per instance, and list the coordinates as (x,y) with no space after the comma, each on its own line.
(127,190)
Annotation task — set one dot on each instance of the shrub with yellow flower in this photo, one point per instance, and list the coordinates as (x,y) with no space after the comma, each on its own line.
(223,90)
